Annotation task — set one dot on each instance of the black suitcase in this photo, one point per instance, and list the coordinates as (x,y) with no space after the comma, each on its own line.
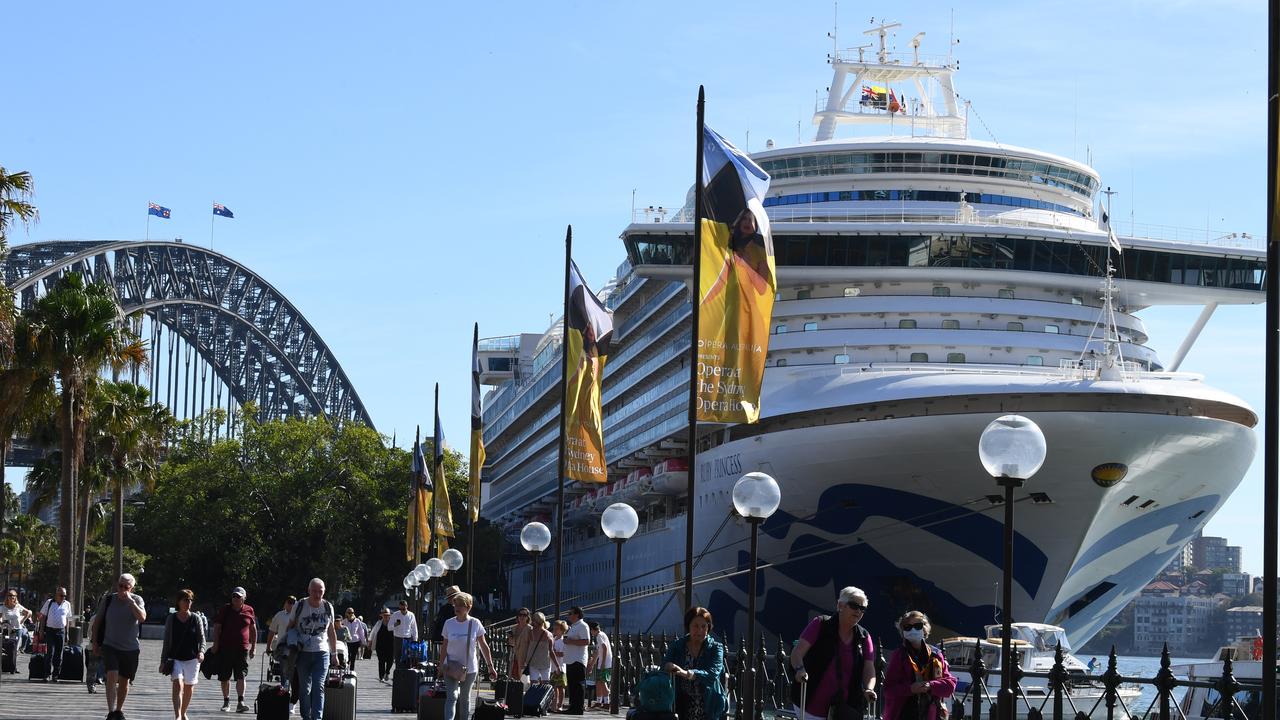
(431,700)
(72,663)
(38,667)
(404,688)
(510,693)
(10,662)
(537,700)
(272,702)
(490,710)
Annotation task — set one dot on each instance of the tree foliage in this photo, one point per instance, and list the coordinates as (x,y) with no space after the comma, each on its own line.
(281,503)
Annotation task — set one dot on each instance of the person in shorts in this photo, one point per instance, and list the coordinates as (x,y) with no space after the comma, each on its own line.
(115,638)
(602,664)
(183,648)
(235,639)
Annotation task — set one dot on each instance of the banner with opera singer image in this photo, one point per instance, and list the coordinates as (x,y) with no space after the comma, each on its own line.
(588,332)
(737,284)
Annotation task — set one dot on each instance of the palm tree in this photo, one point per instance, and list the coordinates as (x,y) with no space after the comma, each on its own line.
(128,439)
(15,194)
(26,392)
(78,330)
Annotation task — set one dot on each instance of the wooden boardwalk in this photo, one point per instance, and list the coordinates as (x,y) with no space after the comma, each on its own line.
(149,698)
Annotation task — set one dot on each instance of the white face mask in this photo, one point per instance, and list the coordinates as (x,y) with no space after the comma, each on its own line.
(914,635)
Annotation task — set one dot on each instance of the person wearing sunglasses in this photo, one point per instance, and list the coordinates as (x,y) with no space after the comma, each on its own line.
(114,636)
(520,636)
(834,663)
(383,644)
(917,681)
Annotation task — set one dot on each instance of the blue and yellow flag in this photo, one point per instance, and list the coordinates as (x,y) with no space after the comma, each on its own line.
(588,331)
(736,285)
(417,534)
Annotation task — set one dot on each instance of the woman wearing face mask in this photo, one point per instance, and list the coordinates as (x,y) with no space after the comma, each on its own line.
(917,681)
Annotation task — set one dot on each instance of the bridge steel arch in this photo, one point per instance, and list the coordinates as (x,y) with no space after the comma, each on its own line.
(256,342)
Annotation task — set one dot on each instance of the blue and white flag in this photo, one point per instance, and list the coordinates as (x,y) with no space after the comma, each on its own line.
(158,211)
(222,210)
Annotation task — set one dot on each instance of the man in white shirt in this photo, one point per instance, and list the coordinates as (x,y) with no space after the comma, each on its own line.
(575,658)
(279,625)
(601,665)
(404,626)
(56,615)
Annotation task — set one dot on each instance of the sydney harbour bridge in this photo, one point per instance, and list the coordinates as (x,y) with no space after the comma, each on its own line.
(218,334)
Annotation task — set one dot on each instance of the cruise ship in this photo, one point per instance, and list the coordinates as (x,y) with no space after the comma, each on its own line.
(928,283)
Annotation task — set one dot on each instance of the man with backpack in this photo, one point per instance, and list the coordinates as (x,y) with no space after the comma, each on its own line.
(115,637)
(54,619)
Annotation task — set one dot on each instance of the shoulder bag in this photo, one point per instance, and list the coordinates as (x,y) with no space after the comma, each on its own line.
(455,670)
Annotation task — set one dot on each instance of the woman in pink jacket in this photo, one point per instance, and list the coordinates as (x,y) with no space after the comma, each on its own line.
(917,681)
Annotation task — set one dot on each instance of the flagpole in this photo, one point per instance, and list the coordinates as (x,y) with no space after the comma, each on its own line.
(148,224)
(413,500)
(212,217)
(564,396)
(471,503)
(693,356)
(438,474)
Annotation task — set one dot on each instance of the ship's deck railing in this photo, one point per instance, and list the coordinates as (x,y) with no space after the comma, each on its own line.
(1021,218)
(505,343)
(1067,370)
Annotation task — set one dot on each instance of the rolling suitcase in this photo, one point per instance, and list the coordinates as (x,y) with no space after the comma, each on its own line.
(72,663)
(490,710)
(38,667)
(404,688)
(537,700)
(340,695)
(431,699)
(272,700)
(10,662)
(510,693)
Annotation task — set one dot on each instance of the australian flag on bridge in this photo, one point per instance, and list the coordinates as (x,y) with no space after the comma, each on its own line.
(222,210)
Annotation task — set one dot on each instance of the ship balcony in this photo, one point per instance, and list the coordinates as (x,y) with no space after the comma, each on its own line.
(499,359)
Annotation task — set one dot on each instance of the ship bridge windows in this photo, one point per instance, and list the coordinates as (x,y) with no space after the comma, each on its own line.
(959,250)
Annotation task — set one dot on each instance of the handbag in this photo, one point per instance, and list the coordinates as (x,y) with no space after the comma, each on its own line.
(455,670)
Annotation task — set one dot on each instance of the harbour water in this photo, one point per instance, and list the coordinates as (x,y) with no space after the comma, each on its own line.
(1142,667)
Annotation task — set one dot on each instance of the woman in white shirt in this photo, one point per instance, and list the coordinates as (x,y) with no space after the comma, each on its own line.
(463,635)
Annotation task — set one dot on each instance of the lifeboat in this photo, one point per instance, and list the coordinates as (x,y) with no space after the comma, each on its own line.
(670,477)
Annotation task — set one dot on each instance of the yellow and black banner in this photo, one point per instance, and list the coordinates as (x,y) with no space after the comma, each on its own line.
(417,535)
(588,332)
(736,285)
(443,511)
(477,428)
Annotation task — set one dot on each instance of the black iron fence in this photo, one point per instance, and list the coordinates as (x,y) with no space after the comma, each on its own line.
(1058,698)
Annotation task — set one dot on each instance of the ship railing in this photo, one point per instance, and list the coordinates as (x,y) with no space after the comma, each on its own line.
(1067,370)
(1060,704)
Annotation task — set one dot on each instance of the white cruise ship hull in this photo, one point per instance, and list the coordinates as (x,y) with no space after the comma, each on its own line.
(901,507)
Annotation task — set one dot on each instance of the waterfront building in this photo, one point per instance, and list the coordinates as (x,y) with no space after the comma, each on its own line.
(1246,620)
(1182,621)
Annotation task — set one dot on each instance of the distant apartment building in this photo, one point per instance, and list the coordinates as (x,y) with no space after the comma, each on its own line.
(1245,620)
(48,516)
(1181,621)
(1180,560)
(1235,584)
(1213,553)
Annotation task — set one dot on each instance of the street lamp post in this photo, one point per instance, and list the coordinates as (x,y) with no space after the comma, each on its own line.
(535,537)
(1012,449)
(435,569)
(452,559)
(619,522)
(756,496)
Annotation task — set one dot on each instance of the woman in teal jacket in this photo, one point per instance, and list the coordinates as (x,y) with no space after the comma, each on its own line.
(697,662)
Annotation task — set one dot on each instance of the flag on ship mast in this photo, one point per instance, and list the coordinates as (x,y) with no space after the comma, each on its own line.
(442,511)
(737,283)
(477,427)
(1111,234)
(588,332)
(417,533)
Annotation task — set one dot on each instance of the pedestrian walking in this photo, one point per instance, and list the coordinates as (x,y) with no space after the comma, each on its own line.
(696,661)
(182,651)
(235,641)
(115,638)
(576,641)
(55,620)
(520,643)
(404,626)
(559,680)
(541,658)
(917,681)
(315,621)
(277,628)
(601,665)
(383,644)
(443,614)
(834,662)
(463,638)
(357,636)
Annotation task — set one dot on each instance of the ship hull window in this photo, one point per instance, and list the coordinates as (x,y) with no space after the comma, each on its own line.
(955,358)
(919,357)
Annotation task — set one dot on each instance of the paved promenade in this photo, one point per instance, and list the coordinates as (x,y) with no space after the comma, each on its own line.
(150,697)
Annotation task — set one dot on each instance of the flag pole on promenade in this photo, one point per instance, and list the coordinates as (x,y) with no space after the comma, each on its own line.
(1271,414)
(696,252)
(477,454)
(564,411)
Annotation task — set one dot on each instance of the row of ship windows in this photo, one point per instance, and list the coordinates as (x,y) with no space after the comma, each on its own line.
(908,324)
(916,195)
(965,251)
(954,358)
(938,291)
(932,163)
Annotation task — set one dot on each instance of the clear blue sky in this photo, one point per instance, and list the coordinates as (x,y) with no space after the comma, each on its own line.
(400,170)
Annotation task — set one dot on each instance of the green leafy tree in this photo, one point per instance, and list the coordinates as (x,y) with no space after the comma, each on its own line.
(77,331)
